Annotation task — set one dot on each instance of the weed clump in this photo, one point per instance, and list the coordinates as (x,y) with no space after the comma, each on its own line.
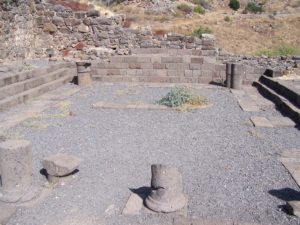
(200,31)
(185,8)
(253,8)
(282,50)
(234,4)
(182,97)
(199,9)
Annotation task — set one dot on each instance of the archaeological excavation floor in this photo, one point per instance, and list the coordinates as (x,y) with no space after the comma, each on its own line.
(230,168)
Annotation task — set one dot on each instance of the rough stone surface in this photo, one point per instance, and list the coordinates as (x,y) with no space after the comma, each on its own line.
(133,205)
(60,164)
(166,190)
(6,213)
(16,169)
(260,121)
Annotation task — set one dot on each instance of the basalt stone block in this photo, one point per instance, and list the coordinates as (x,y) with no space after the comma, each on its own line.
(61,164)
(166,190)
(16,169)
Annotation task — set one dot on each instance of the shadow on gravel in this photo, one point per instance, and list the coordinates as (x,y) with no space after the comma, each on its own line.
(143,192)
(285,194)
(44,173)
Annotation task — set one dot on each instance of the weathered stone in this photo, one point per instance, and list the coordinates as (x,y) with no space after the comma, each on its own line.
(16,169)
(61,164)
(50,27)
(166,190)
(6,213)
(72,21)
(293,208)
(58,21)
(83,28)
(133,205)
(260,121)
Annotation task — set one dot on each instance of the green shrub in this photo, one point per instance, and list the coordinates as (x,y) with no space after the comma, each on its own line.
(253,8)
(199,9)
(282,50)
(185,8)
(234,4)
(203,3)
(177,97)
(201,30)
(226,18)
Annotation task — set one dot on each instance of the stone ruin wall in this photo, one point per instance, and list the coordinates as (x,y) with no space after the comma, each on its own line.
(39,30)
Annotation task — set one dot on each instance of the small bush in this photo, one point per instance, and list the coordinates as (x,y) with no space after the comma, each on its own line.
(226,18)
(234,4)
(203,3)
(253,8)
(199,9)
(177,97)
(201,30)
(282,50)
(185,8)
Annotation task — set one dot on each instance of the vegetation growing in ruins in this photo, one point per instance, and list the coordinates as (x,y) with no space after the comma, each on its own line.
(185,8)
(199,9)
(201,30)
(281,50)
(180,97)
(252,7)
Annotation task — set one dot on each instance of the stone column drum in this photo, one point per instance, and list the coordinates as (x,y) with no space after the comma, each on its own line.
(237,74)
(16,169)
(166,190)
(228,75)
(84,73)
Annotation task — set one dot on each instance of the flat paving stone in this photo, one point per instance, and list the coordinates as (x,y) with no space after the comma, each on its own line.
(260,121)
(248,105)
(291,161)
(280,121)
(6,212)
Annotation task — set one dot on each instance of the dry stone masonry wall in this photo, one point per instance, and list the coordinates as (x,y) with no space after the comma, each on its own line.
(45,30)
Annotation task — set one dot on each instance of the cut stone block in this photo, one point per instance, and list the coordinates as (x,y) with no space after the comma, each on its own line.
(280,121)
(293,208)
(260,121)
(6,212)
(61,164)
(133,205)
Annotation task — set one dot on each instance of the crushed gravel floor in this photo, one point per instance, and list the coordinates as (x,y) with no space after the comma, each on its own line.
(230,169)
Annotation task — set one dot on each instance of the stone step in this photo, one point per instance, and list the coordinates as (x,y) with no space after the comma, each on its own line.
(34,92)
(280,101)
(18,77)
(27,84)
(166,51)
(282,88)
(154,59)
(153,79)
(153,72)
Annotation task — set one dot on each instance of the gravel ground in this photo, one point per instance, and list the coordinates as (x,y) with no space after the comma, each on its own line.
(230,169)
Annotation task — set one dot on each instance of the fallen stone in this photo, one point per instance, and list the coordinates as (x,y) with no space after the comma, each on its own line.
(61,164)
(50,27)
(83,28)
(293,208)
(279,121)
(260,121)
